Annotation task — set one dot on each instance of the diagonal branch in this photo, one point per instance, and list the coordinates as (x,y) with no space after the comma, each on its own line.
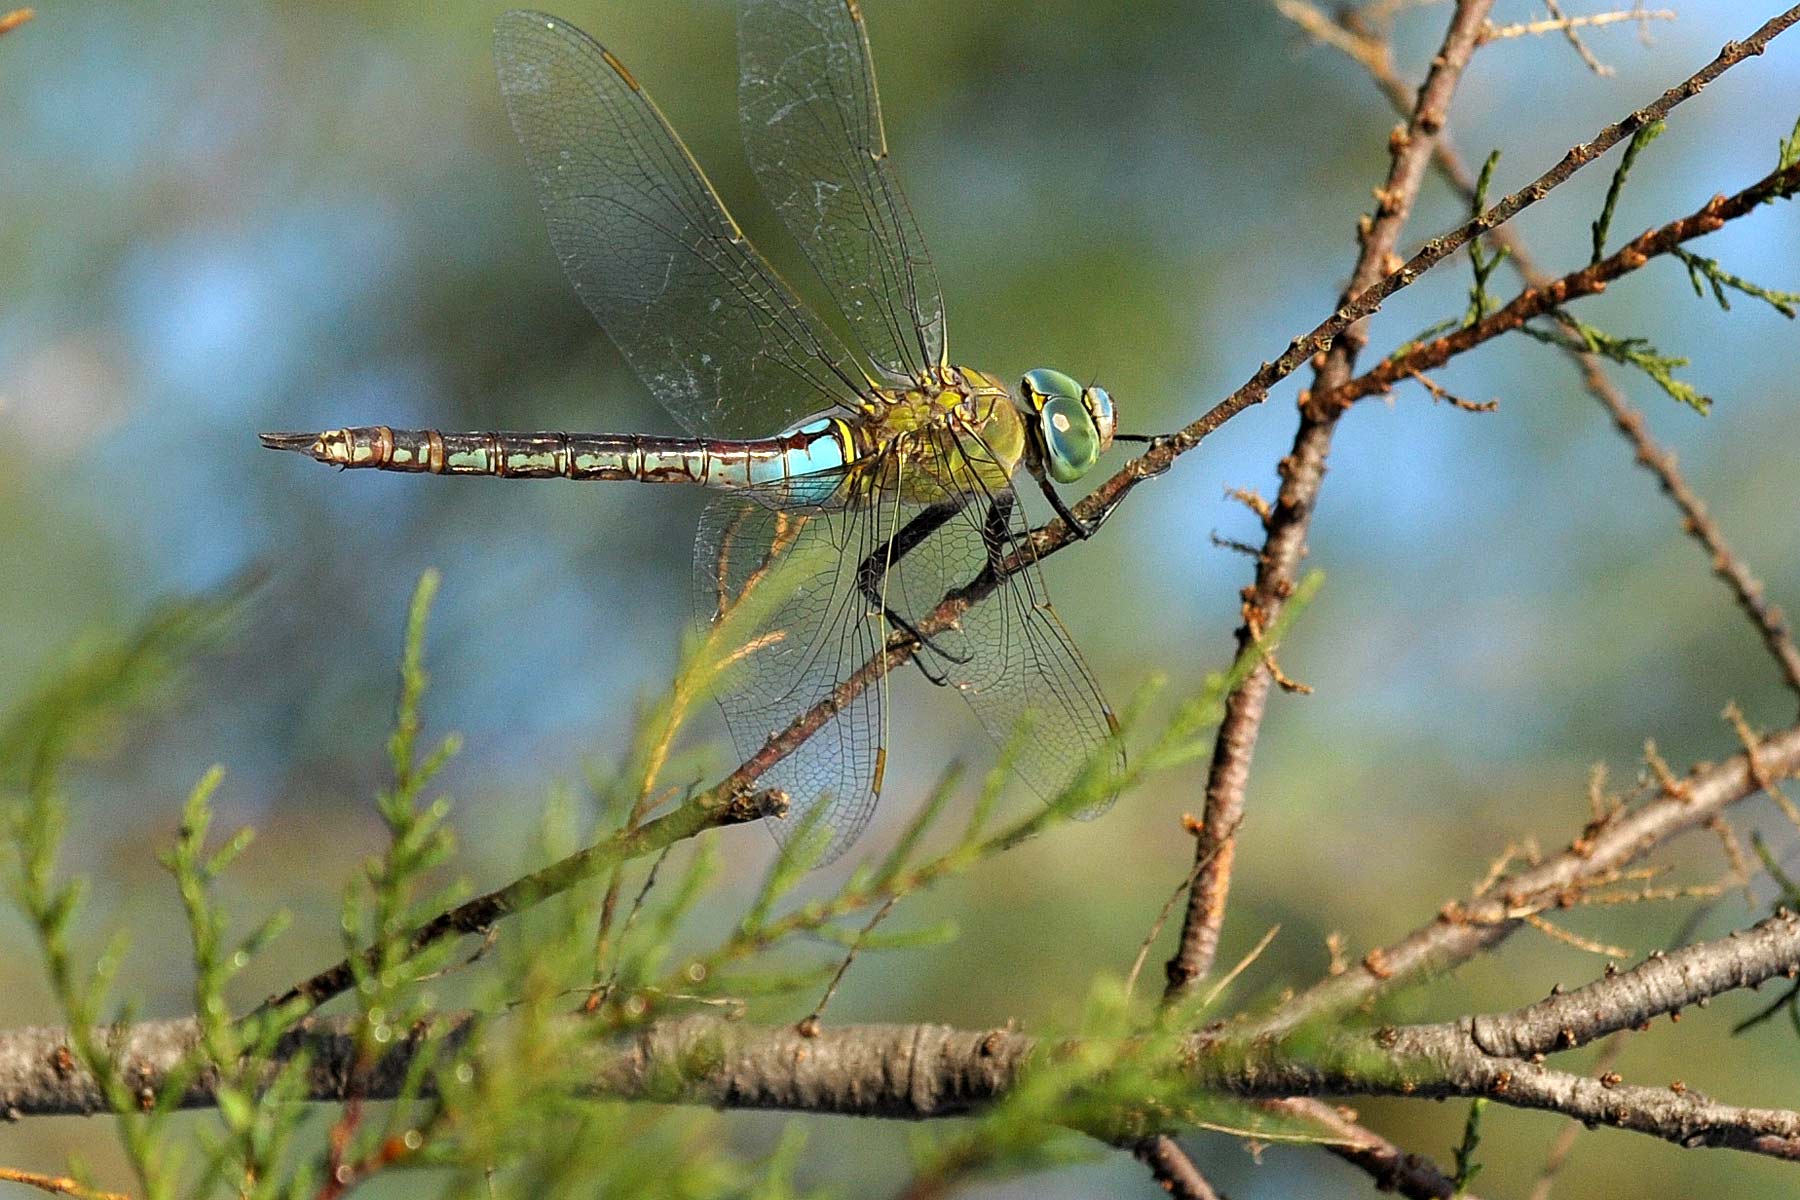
(1391,1168)
(1661,984)
(1461,931)
(1546,300)
(715,809)
(1771,625)
(1174,1172)
(1303,473)
(1727,564)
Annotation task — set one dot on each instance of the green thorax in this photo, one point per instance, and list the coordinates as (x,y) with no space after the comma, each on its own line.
(903,440)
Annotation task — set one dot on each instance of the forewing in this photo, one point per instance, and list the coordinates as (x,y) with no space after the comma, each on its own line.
(775,577)
(705,322)
(813,132)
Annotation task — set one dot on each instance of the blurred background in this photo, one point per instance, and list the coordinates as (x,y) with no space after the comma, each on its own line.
(224,218)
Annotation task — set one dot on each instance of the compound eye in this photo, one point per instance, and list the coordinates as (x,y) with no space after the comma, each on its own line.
(1044,382)
(1099,404)
(1072,443)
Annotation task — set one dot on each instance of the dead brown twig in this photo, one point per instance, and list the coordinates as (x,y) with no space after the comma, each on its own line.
(56,1185)
(1461,931)
(1730,567)
(1303,472)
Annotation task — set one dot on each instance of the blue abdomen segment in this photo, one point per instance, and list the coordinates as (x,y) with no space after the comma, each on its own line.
(820,446)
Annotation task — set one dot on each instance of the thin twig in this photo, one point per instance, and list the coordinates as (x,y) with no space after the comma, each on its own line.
(1572,31)
(1172,1169)
(1243,964)
(1162,916)
(56,1185)
(1571,27)
(602,990)
(1303,472)
(1461,931)
(1727,564)
(1771,625)
(1391,1168)
(810,1025)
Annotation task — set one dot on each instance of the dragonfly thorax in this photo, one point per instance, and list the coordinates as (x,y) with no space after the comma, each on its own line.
(963,426)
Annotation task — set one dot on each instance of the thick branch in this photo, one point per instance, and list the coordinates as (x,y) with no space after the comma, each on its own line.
(1664,983)
(928,1071)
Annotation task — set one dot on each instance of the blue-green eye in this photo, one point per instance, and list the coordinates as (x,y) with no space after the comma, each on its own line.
(1072,443)
(1044,382)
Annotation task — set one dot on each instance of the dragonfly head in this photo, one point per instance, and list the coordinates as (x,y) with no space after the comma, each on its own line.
(1071,425)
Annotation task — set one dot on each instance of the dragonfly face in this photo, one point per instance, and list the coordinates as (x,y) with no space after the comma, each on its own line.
(1072,426)
(881,522)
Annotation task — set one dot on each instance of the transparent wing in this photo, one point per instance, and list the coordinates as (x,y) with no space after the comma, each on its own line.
(775,573)
(796,585)
(700,316)
(1009,655)
(812,128)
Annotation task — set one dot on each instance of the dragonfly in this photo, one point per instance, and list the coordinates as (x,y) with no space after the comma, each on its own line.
(890,484)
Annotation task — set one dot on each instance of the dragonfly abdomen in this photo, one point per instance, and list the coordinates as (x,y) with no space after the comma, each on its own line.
(821,445)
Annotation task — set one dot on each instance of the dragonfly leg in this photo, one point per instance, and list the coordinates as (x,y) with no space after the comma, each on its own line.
(1077,526)
(871,571)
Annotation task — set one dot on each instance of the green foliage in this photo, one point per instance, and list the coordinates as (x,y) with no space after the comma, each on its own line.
(260,1116)
(1637,353)
(492,1096)
(73,715)
(1706,272)
(1788,156)
(1466,1166)
(1644,135)
(1484,259)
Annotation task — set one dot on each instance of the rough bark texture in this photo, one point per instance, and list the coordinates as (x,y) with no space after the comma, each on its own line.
(918,1072)
(1664,983)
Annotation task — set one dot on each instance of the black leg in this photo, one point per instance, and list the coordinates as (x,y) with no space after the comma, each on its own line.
(871,570)
(1077,526)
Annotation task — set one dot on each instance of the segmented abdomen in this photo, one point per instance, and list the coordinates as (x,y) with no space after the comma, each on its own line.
(820,445)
